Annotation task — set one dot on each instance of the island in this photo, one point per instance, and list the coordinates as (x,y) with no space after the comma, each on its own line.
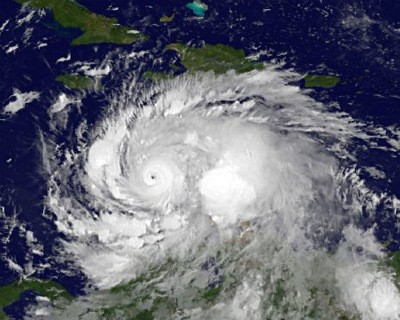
(199,8)
(320,81)
(76,81)
(166,19)
(218,58)
(11,293)
(95,28)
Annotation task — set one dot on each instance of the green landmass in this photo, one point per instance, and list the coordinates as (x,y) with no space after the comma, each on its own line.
(76,81)
(140,292)
(212,293)
(166,19)
(157,76)
(320,81)
(46,288)
(393,262)
(96,28)
(278,295)
(147,297)
(218,58)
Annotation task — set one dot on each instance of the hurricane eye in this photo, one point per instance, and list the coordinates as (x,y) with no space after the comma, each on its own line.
(150,178)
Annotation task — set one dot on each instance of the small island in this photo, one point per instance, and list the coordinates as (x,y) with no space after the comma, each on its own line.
(320,81)
(11,293)
(167,19)
(96,28)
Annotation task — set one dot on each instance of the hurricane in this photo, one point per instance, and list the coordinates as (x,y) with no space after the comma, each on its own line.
(234,196)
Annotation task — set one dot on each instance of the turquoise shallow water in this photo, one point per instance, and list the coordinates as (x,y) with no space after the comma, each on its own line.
(197,9)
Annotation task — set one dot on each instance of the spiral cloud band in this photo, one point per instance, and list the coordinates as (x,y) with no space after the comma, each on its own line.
(196,164)
(216,156)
